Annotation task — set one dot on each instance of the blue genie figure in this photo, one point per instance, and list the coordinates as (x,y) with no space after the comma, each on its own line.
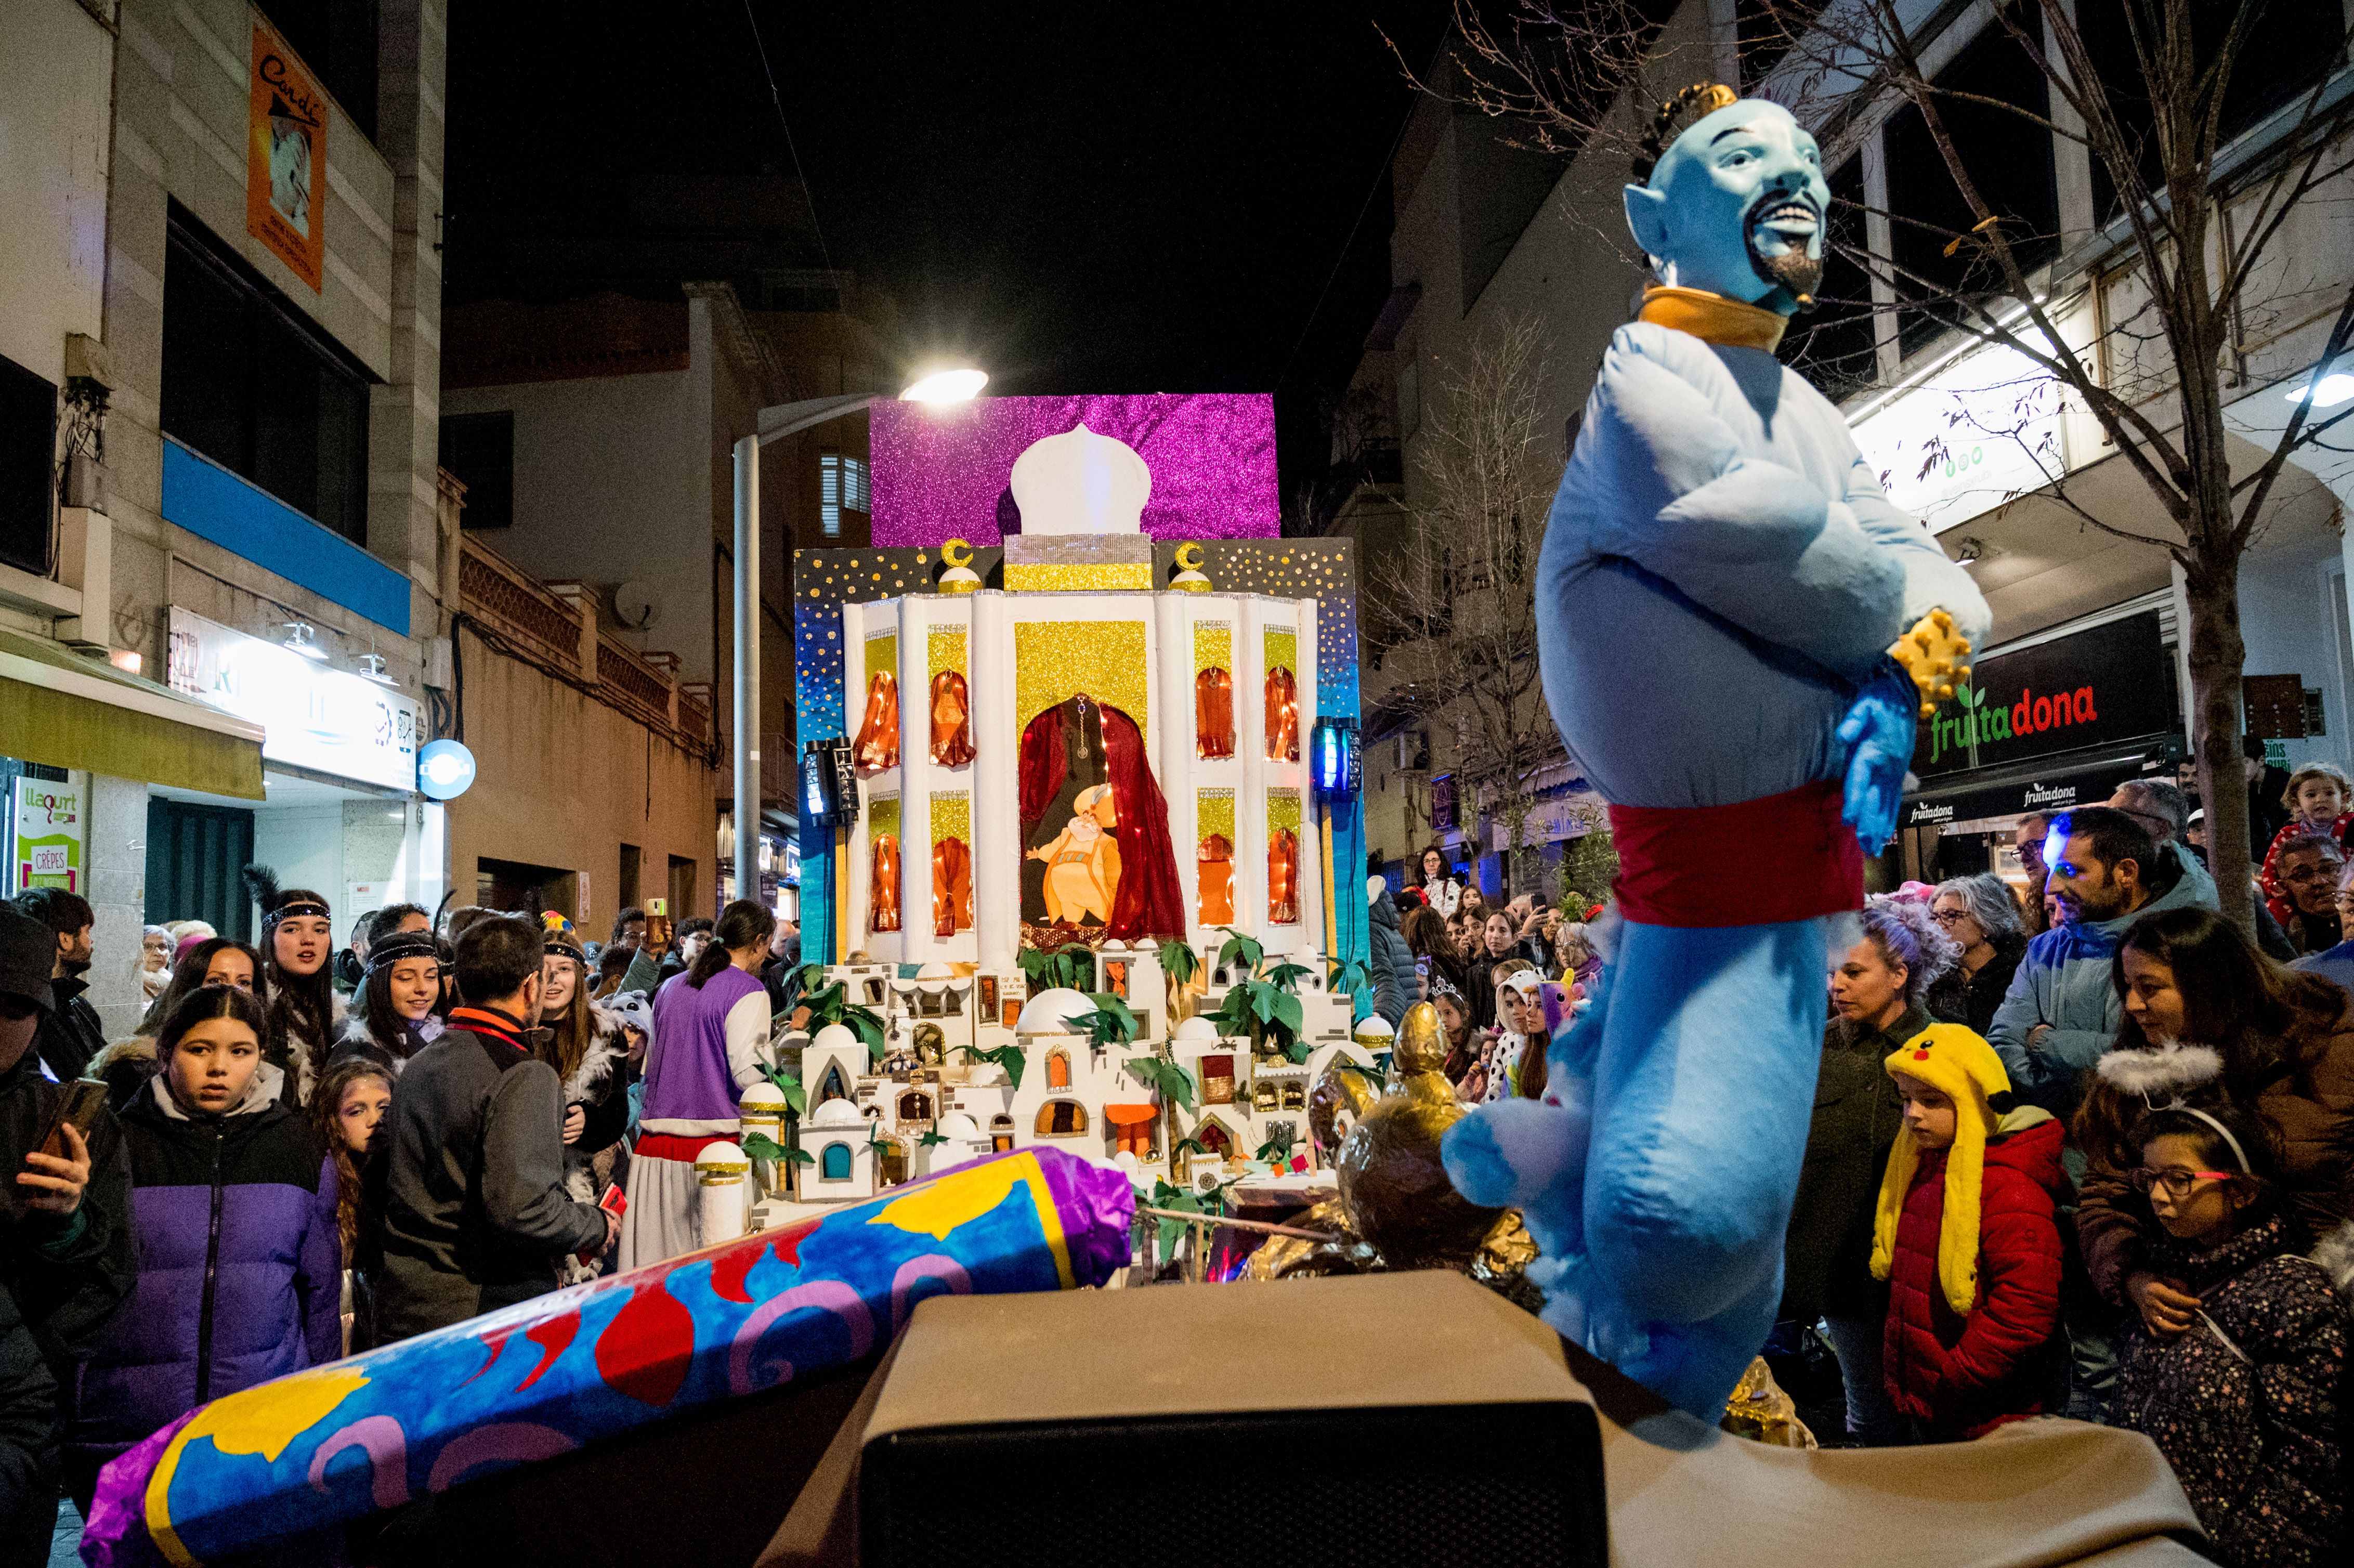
(1737,630)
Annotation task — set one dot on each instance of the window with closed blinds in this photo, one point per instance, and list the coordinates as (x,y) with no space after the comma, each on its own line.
(842,486)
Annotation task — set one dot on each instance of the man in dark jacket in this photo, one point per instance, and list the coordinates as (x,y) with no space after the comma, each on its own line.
(1394,990)
(475,1213)
(66,1250)
(782,973)
(70,1034)
(28,1414)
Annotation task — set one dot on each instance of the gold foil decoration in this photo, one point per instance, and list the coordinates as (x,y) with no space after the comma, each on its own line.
(1214,645)
(1279,648)
(944,650)
(1056,660)
(952,815)
(1079,576)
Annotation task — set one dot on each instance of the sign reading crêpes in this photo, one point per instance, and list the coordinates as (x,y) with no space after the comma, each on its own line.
(328,721)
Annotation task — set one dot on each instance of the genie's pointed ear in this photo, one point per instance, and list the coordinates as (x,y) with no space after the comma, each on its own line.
(1647,214)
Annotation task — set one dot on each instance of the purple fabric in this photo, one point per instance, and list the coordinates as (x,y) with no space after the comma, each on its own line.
(687,1078)
(115,1533)
(941,470)
(276,1300)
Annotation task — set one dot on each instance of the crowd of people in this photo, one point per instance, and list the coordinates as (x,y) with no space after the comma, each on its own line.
(2085,1151)
(303,1151)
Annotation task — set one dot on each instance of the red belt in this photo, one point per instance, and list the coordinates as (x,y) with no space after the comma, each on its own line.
(681,1147)
(1760,863)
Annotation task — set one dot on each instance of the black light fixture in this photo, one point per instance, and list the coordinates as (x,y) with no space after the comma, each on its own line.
(1337,758)
(829,786)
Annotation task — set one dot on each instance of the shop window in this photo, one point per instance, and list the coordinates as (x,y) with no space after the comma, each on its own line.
(29,444)
(833,1165)
(1058,1069)
(516,885)
(2008,158)
(1295,1095)
(1061,1119)
(251,383)
(479,451)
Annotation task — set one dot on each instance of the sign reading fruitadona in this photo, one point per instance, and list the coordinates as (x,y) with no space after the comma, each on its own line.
(286,159)
(2105,685)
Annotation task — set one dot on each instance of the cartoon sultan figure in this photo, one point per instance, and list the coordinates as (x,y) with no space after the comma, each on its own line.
(1083,862)
(1716,520)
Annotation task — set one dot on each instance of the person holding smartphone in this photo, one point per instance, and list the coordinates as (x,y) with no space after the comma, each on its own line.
(66,1251)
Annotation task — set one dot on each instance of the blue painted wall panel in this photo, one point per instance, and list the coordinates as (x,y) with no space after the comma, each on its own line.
(213,504)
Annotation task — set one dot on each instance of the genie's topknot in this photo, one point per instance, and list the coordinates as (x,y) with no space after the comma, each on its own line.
(1694,103)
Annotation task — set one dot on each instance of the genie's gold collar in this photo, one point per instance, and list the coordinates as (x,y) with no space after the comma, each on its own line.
(1714,318)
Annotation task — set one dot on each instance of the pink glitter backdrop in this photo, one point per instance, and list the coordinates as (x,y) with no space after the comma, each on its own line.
(939,471)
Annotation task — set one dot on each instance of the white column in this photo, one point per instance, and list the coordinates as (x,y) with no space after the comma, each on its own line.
(996,799)
(1311,836)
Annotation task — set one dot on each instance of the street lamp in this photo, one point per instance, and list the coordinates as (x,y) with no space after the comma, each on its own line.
(773,424)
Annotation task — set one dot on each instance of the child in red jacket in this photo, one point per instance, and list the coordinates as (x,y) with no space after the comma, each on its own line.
(1965,1237)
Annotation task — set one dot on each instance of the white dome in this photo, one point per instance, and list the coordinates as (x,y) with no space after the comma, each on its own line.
(762,1093)
(1195,1028)
(834,1037)
(1374,1026)
(1081,482)
(1051,1012)
(956,1125)
(721,1156)
(837,1113)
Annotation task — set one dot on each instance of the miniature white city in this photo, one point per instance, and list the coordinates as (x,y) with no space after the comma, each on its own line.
(936,1099)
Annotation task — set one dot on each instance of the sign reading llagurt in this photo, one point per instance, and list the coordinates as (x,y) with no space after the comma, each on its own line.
(328,721)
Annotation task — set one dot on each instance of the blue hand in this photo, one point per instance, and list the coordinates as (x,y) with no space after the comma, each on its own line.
(1878,733)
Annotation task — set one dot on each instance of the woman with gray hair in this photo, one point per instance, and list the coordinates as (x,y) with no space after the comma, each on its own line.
(1877,994)
(1983,919)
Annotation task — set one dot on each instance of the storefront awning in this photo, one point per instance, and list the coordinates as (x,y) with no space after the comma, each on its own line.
(2050,785)
(63,709)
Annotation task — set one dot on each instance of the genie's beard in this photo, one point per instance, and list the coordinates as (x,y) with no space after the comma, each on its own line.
(1793,271)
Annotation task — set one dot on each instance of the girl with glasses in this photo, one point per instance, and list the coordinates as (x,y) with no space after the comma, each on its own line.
(2233,1370)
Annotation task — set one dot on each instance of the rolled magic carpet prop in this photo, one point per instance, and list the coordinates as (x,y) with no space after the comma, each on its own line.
(338,1442)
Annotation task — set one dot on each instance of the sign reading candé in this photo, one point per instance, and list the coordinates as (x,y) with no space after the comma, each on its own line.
(327,721)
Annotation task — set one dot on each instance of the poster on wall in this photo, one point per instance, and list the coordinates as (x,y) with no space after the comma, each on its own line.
(286,159)
(45,848)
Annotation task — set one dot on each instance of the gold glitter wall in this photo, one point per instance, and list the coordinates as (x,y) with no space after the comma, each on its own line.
(1282,650)
(881,816)
(1054,659)
(882,653)
(1282,812)
(952,816)
(1213,812)
(1076,576)
(1213,646)
(945,651)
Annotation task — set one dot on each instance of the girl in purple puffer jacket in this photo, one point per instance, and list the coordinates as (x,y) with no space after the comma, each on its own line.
(234,1204)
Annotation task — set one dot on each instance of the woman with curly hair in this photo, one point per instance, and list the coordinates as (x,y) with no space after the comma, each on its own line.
(1878,996)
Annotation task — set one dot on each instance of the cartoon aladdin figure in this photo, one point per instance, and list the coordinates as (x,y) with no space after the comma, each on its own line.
(1716,521)
(1083,862)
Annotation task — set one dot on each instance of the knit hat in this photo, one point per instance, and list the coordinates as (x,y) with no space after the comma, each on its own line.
(1951,1058)
(557,937)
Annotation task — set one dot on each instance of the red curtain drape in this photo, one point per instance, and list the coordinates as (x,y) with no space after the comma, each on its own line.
(951,887)
(952,721)
(1282,877)
(883,890)
(1150,902)
(1213,713)
(878,733)
(1214,874)
(1282,715)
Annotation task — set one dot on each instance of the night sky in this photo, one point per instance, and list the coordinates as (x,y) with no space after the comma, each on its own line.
(1096,197)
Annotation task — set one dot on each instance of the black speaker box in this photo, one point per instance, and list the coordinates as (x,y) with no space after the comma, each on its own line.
(1400,1419)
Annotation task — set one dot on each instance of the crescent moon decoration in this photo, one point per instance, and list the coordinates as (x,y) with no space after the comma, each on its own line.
(956,553)
(1188,556)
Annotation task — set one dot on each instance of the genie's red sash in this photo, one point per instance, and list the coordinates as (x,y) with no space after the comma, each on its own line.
(1760,863)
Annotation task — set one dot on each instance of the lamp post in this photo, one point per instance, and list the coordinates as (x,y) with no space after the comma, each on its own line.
(771,424)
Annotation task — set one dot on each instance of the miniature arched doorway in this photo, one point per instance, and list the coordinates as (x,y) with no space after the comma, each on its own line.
(1212,1136)
(1001,1134)
(833,1165)
(915,1106)
(832,1087)
(1058,1069)
(1061,1119)
(1132,1128)
(1295,1095)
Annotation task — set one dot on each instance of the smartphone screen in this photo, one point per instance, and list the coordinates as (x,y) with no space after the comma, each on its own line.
(79,1103)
